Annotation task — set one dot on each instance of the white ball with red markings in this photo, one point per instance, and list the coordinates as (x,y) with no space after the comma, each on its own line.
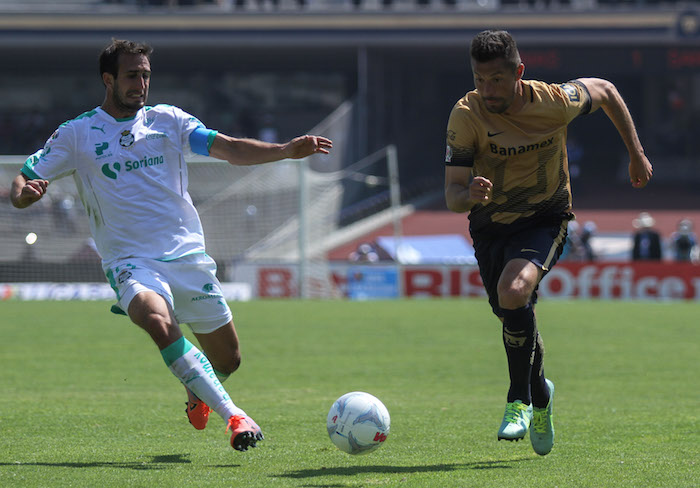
(358,423)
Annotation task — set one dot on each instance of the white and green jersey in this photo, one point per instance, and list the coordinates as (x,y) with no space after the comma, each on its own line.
(132,179)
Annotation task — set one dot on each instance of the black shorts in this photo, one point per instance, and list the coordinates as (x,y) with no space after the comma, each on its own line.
(540,244)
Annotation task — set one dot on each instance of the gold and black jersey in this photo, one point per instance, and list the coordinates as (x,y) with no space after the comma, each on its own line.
(523,155)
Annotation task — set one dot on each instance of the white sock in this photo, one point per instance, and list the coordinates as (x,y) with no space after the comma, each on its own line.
(194,370)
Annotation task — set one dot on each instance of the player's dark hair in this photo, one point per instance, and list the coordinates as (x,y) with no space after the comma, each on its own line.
(491,44)
(109,57)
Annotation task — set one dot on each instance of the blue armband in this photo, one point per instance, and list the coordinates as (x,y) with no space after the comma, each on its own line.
(201,140)
(28,168)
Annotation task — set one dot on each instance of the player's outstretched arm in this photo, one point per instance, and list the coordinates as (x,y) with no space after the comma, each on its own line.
(604,94)
(247,152)
(24,191)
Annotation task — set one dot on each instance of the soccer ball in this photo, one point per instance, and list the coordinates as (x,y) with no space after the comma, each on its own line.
(358,423)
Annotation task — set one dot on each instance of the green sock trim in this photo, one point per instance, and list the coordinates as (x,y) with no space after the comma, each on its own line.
(176,350)
(221,376)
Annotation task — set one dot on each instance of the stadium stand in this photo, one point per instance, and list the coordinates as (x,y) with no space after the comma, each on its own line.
(279,67)
(338,5)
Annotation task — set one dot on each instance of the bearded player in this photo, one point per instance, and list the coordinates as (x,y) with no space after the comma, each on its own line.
(506,165)
(128,162)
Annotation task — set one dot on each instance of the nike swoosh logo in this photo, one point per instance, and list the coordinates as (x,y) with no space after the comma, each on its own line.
(491,134)
(529,250)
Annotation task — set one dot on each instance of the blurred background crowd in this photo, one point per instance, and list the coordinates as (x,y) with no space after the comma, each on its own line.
(273,69)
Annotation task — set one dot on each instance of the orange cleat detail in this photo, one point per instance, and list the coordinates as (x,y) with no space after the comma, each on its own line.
(197,411)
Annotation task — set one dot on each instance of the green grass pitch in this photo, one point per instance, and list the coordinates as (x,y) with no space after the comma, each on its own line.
(88,402)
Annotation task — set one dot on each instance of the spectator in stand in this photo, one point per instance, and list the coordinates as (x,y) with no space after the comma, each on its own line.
(573,248)
(684,242)
(578,242)
(647,240)
(369,252)
(587,233)
(365,253)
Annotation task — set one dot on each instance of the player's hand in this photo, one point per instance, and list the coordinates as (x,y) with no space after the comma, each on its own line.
(640,171)
(303,146)
(480,190)
(33,190)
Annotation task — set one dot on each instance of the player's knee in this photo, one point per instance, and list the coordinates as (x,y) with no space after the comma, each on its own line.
(159,327)
(513,295)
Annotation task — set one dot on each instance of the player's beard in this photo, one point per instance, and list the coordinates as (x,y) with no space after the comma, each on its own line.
(124,104)
(498,108)
(500,104)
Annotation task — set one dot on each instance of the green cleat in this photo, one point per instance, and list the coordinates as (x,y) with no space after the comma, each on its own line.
(516,421)
(542,432)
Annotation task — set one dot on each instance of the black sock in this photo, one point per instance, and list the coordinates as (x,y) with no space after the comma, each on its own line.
(519,341)
(538,386)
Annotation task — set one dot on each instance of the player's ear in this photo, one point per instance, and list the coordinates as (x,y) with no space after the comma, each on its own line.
(108,79)
(520,71)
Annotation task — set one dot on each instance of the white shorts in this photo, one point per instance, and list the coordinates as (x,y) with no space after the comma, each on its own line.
(188,283)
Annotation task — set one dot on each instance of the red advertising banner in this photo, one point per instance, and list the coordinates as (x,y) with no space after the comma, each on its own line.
(626,280)
(605,280)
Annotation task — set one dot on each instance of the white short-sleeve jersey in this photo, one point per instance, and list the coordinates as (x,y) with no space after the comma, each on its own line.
(132,179)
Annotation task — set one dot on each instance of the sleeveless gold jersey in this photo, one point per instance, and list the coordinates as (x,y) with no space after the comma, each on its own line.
(523,155)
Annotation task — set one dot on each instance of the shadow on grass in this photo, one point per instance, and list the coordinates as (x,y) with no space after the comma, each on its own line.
(351,470)
(156,462)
